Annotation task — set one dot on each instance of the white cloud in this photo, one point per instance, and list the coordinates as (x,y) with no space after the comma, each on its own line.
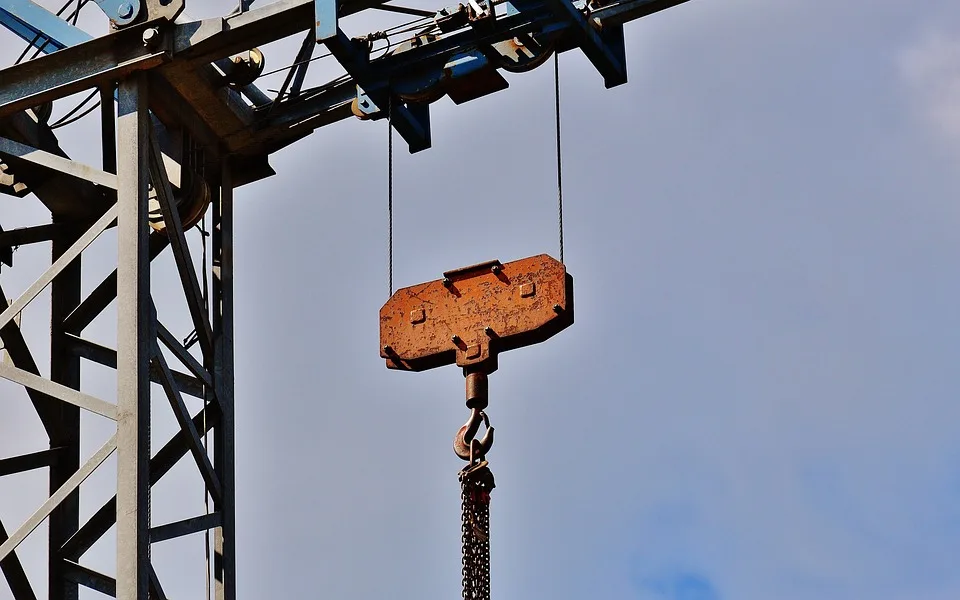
(930,68)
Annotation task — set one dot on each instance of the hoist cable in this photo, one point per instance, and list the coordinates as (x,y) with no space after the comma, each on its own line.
(556,80)
(390,193)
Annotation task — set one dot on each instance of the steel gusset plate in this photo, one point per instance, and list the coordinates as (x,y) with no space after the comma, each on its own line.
(474,313)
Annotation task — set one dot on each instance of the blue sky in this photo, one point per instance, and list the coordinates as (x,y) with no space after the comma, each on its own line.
(758,398)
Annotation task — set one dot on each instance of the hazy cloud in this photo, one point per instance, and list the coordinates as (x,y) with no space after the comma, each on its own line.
(930,67)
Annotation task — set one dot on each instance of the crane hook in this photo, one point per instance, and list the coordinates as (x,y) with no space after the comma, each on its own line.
(465,444)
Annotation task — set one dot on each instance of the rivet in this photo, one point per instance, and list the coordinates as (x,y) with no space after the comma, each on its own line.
(496,269)
(455,339)
(557,308)
(446,282)
(488,330)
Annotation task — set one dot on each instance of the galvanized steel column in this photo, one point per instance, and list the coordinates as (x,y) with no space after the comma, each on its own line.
(134,343)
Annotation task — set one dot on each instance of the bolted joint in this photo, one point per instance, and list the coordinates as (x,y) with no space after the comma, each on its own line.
(151,37)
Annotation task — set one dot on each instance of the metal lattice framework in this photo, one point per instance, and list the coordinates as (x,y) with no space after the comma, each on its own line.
(182,125)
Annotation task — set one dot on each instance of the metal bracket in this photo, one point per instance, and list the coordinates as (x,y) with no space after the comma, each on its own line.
(412,121)
(120,12)
(325,20)
(127,12)
(604,48)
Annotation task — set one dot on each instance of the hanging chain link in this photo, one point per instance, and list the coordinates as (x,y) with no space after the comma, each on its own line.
(476,482)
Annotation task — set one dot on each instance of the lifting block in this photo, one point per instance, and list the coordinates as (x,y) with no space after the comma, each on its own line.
(474,313)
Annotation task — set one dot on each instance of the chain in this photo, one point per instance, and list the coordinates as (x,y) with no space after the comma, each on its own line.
(476,482)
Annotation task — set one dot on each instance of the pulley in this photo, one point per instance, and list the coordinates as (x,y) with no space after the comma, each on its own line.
(192,196)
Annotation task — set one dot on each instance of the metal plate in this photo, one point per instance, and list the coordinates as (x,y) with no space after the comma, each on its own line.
(475,313)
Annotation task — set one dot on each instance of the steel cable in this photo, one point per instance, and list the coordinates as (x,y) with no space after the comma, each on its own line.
(556,79)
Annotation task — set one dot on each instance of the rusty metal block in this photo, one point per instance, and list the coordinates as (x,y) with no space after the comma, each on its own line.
(475,313)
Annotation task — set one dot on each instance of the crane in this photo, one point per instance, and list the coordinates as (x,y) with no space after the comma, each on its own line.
(183,123)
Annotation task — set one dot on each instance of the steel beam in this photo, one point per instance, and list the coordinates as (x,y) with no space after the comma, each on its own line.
(164,460)
(181,251)
(134,343)
(22,153)
(74,69)
(14,574)
(185,384)
(31,235)
(47,407)
(186,425)
(183,355)
(162,533)
(64,370)
(225,561)
(105,292)
(88,578)
(58,265)
(58,391)
(56,498)
(29,462)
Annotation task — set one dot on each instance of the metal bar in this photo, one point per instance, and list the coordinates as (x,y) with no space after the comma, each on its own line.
(74,69)
(162,533)
(14,574)
(58,391)
(325,20)
(53,501)
(51,162)
(108,128)
(630,10)
(32,22)
(29,462)
(183,355)
(107,357)
(58,265)
(89,578)
(164,460)
(48,408)
(403,10)
(65,370)
(101,297)
(156,590)
(134,343)
(183,418)
(604,49)
(225,545)
(30,235)
(181,251)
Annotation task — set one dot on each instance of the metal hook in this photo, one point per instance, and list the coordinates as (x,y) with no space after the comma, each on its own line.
(465,445)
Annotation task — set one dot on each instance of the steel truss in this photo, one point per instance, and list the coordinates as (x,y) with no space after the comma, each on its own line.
(137,359)
(181,129)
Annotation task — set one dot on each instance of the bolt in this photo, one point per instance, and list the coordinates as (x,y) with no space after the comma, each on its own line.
(496,269)
(557,308)
(488,331)
(446,282)
(151,37)
(125,11)
(387,349)
(455,339)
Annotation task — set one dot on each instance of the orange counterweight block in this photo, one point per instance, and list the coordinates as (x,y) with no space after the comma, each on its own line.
(475,313)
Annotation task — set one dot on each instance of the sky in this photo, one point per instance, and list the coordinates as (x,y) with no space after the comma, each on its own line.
(757,399)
